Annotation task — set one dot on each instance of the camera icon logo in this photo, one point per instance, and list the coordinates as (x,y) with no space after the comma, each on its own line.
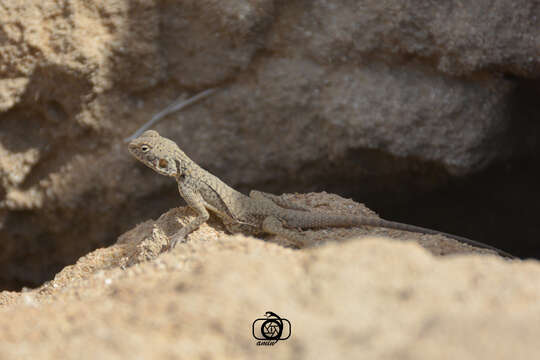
(271,329)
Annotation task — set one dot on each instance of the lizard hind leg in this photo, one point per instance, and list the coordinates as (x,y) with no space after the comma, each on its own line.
(278,200)
(272,225)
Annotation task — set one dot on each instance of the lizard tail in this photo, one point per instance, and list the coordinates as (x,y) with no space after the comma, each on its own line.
(321,220)
(419,229)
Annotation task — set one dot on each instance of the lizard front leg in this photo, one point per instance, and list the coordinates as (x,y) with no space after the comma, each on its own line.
(197,203)
(274,226)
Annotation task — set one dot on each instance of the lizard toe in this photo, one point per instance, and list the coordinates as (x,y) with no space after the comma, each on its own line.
(175,239)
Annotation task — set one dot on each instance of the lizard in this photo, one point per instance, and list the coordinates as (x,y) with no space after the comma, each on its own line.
(255,214)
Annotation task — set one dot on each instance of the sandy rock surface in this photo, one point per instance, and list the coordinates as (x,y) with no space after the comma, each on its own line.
(354,296)
(400,93)
(312,92)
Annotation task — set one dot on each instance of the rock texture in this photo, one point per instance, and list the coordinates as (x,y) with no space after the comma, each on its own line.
(355,297)
(455,38)
(367,89)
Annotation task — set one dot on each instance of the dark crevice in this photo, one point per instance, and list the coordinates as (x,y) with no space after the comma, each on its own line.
(498,206)
(27,239)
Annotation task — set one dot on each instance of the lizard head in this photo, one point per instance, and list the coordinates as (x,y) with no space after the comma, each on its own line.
(156,152)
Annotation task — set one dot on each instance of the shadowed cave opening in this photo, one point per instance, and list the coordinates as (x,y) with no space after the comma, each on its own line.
(499,206)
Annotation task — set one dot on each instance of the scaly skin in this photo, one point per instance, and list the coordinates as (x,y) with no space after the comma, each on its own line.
(254,214)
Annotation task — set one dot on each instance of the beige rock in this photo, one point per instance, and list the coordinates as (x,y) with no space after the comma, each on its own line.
(362,297)
(312,93)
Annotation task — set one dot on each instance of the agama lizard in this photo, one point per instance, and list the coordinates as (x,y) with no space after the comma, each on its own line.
(254,214)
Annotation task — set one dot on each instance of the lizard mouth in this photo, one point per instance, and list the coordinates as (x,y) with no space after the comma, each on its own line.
(162,163)
(162,166)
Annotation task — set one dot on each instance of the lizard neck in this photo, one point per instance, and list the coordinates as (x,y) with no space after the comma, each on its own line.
(184,165)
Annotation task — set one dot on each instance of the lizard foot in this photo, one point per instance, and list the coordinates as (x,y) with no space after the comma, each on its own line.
(179,237)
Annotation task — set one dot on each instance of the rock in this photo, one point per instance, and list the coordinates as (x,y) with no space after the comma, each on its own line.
(453,37)
(311,93)
(365,297)
(326,114)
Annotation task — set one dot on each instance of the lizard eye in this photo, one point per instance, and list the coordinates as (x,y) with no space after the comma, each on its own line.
(145,148)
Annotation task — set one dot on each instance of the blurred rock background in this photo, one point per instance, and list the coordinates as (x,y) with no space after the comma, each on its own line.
(425,111)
